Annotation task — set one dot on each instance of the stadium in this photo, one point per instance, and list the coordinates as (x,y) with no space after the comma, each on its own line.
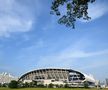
(58,76)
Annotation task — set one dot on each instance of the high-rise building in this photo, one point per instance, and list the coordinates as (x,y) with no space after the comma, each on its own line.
(106,81)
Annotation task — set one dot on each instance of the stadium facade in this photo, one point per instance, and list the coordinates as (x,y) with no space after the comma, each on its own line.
(57,76)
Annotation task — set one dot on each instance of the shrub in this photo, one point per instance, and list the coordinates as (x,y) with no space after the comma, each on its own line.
(13,84)
(86,85)
(4,85)
(57,86)
(50,85)
(61,85)
(0,85)
(40,86)
(66,86)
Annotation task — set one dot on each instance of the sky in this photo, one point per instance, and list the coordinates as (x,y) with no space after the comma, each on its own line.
(31,38)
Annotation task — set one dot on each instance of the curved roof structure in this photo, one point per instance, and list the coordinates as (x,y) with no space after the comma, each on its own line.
(56,75)
(39,71)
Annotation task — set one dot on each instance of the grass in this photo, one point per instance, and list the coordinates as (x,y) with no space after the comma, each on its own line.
(50,89)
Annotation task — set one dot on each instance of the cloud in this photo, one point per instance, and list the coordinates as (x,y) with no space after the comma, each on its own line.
(94,64)
(65,59)
(96,10)
(81,54)
(68,56)
(15,16)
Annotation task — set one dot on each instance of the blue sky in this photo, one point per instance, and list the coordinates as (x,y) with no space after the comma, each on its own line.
(31,38)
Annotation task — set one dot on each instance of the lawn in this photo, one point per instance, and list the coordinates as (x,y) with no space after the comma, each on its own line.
(50,89)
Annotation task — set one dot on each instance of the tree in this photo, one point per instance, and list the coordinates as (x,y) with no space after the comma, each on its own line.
(75,9)
(57,86)
(0,85)
(20,84)
(86,84)
(40,85)
(5,85)
(26,84)
(66,86)
(61,86)
(13,84)
(51,85)
(34,83)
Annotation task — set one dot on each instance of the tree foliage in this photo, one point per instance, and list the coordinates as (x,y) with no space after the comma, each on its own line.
(0,85)
(86,84)
(13,84)
(51,85)
(66,85)
(75,9)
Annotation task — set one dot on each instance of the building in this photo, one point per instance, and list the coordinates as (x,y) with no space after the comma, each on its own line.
(57,76)
(6,78)
(106,83)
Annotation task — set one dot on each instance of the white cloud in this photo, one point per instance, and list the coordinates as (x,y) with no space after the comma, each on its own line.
(69,55)
(15,17)
(96,10)
(94,64)
(65,59)
(11,24)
